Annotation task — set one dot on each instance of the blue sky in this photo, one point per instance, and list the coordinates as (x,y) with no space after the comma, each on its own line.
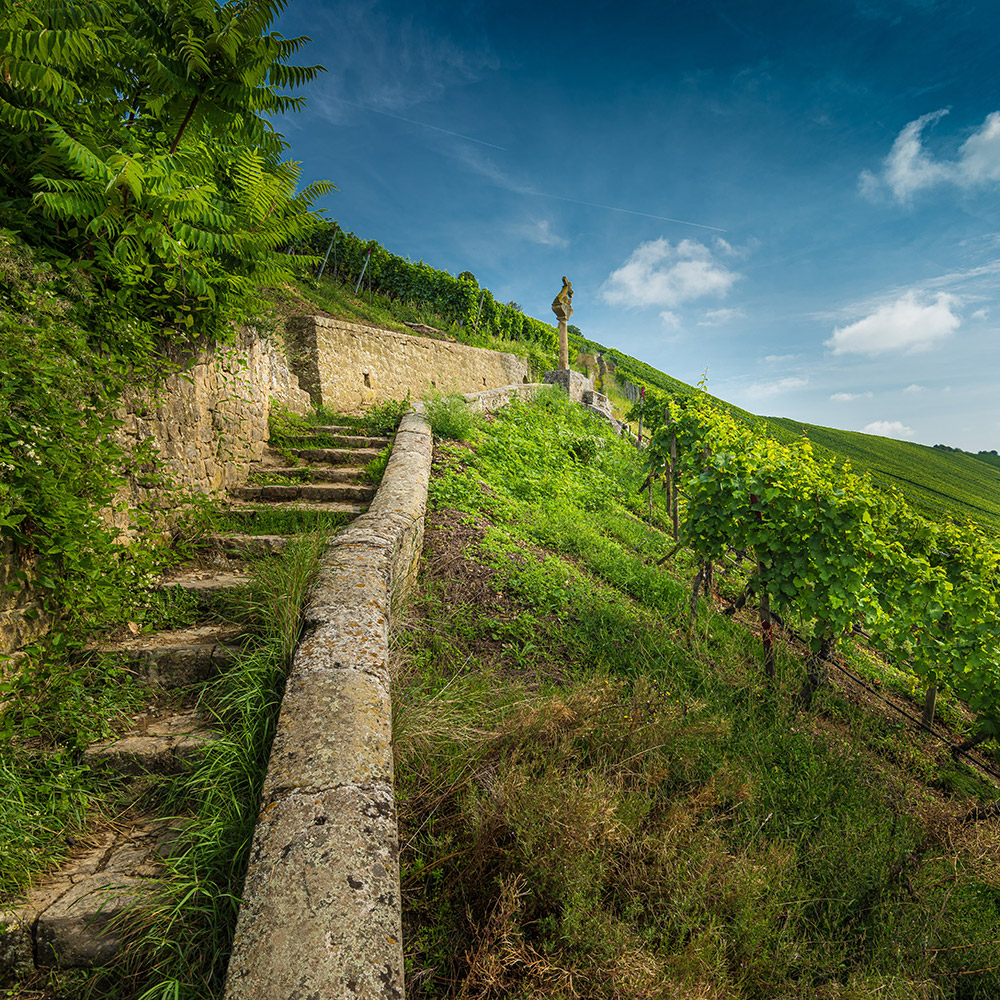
(800,199)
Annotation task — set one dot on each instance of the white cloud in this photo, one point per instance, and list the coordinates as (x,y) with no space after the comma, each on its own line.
(907,324)
(774,359)
(914,388)
(981,314)
(538,231)
(849,397)
(660,274)
(762,390)
(909,168)
(716,317)
(670,319)
(889,428)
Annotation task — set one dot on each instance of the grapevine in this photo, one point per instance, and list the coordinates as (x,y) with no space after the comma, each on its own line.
(838,552)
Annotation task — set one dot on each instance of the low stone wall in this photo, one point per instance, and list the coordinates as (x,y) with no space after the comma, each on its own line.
(210,420)
(492,399)
(571,382)
(321,902)
(346,366)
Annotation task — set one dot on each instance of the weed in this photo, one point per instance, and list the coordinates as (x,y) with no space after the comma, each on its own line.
(450,417)
(375,469)
(266,520)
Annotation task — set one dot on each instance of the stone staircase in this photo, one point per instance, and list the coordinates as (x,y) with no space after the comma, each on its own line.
(70,918)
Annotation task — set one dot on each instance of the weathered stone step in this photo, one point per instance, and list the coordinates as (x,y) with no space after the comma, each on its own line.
(180,657)
(325,492)
(337,440)
(336,456)
(332,506)
(206,582)
(334,429)
(69,920)
(245,545)
(319,474)
(157,745)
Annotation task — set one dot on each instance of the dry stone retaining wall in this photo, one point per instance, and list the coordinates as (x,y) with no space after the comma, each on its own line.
(211,419)
(346,366)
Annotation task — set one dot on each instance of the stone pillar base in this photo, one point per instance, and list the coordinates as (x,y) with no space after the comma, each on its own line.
(572,383)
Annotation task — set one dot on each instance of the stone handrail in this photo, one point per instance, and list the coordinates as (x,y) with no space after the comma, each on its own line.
(321,903)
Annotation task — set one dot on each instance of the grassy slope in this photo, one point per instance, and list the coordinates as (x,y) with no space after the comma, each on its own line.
(598,800)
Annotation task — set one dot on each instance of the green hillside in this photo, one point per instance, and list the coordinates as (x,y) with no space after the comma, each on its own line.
(934,480)
(937,481)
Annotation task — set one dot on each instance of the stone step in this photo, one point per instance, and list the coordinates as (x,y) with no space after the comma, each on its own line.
(319,474)
(324,492)
(164,744)
(334,429)
(206,583)
(245,545)
(336,456)
(333,507)
(69,920)
(337,440)
(179,657)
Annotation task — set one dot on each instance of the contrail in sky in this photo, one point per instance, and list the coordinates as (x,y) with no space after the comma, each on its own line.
(540,194)
(410,121)
(628,211)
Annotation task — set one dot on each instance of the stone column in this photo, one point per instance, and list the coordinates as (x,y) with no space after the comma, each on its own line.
(562,306)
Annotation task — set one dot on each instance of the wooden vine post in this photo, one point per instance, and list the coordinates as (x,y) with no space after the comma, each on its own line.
(668,474)
(673,493)
(766,631)
(930,703)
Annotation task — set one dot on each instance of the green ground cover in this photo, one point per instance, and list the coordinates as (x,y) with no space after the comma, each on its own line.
(597,800)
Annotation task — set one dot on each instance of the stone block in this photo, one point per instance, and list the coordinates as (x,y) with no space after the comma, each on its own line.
(572,383)
(321,916)
(352,711)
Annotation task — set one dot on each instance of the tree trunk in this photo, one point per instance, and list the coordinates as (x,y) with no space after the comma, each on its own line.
(930,702)
(673,476)
(694,597)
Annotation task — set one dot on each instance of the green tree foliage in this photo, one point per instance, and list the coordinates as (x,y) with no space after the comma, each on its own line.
(136,139)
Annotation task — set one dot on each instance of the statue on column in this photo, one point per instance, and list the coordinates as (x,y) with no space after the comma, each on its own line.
(562,306)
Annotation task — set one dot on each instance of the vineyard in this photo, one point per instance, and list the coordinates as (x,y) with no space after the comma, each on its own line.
(459,299)
(837,553)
